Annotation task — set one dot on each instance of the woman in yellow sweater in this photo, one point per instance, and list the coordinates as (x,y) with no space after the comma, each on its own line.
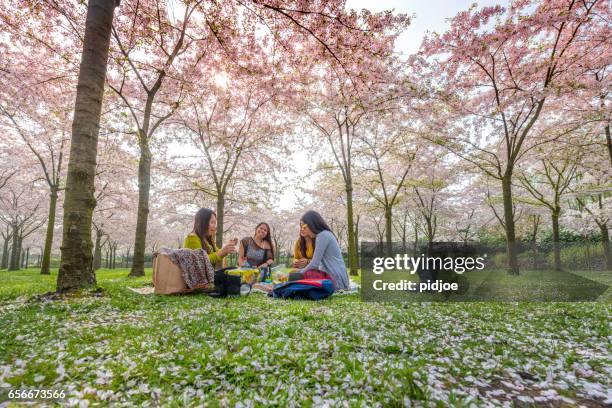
(203,237)
(303,250)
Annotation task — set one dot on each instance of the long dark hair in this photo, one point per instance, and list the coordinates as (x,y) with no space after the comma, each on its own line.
(268,236)
(316,224)
(303,245)
(201,224)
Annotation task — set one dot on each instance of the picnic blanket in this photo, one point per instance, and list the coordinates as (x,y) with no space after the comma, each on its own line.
(146,290)
(197,271)
(353,288)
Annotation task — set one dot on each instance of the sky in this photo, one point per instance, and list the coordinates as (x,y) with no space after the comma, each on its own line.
(429,15)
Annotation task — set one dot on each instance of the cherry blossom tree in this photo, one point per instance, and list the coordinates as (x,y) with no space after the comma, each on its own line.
(547,181)
(116,195)
(236,128)
(20,211)
(430,191)
(592,195)
(153,56)
(77,258)
(38,115)
(501,76)
(389,153)
(336,108)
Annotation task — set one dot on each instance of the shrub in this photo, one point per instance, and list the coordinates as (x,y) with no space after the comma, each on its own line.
(580,257)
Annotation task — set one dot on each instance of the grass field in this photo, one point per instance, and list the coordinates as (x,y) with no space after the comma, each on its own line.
(121,348)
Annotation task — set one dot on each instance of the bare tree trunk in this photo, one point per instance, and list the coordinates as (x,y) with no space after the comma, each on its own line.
(513,268)
(97,257)
(535,225)
(388,229)
(609,142)
(46,262)
(556,247)
(14,262)
(352,250)
(357,235)
(404,238)
(27,258)
(5,253)
(144,187)
(127,258)
(76,263)
(605,242)
(415,246)
(220,217)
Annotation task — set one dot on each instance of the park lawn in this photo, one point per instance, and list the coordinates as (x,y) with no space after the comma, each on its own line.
(498,285)
(122,348)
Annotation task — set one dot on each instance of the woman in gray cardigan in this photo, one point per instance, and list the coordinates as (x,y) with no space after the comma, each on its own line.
(327,255)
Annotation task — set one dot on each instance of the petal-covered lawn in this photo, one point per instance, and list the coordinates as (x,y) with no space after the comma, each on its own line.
(120,348)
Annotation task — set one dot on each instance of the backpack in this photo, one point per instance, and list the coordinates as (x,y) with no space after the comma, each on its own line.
(312,289)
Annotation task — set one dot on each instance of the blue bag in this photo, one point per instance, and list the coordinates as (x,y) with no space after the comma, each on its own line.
(312,289)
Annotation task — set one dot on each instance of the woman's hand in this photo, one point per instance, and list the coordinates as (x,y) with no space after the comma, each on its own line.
(300,263)
(228,248)
(269,262)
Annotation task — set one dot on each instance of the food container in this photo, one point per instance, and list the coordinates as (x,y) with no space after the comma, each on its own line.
(249,276)
(279,276)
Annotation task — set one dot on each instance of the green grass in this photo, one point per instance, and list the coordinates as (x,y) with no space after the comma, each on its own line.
(129,349)
(498,285)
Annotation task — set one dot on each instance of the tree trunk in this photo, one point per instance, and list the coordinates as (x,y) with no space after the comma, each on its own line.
(352,251)
(46,262)
(27,258)
(76,263)
(609,142)
(415,246)
(404,242)
(556,247)
(430,233)
(605,242)
(388,229)
(127,258)
(97,257)
(220,218)
(21,252)
(513,268)
(144,187)
(535,225)
(357,235)
(5,253)
(14,263)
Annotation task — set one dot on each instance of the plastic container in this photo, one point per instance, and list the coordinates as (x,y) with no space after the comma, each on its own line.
(249,276)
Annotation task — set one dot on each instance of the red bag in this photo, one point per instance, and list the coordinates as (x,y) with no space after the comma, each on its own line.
(317,274)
